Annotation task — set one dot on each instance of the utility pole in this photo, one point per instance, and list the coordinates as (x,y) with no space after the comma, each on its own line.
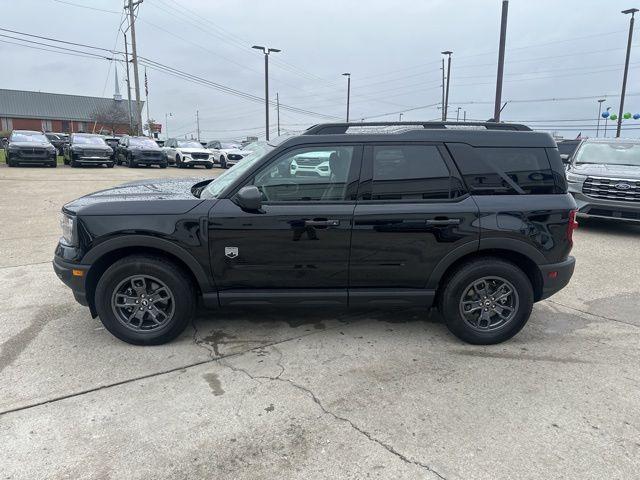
(465,116)
(198,124)
(458,114)
(134,59)
(443,89)
(400,118)
(126,62)
(503,38)
(599,113)
(266,52)
(348,75)
(146,98)
(446,96)
(166,124)
(278,110)
(632,11)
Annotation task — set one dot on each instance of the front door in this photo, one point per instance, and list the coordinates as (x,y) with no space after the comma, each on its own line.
(297,247)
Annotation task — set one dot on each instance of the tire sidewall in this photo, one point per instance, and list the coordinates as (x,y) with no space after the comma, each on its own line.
(476,270)
(179,284)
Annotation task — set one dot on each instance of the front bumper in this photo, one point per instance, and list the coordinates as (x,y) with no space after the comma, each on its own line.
(34,160)
(73,275)
(608,209)
(556,276)
(193,161)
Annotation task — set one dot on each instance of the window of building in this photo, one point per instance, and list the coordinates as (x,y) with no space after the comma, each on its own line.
(47,126)
(80,127)
(6,124)
(411,172)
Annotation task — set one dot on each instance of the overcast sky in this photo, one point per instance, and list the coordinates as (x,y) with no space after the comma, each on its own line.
(555,49)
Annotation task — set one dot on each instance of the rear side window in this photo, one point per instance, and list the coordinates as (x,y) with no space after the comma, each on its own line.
(410,172)
(504,171)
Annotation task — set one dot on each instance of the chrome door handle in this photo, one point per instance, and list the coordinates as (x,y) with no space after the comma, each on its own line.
(321,223)
(441,222)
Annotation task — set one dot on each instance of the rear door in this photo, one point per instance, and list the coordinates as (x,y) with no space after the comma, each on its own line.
(412,211)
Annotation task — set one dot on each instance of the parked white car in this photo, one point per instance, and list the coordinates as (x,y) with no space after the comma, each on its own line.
(313,164)
(226,154)
(187,153)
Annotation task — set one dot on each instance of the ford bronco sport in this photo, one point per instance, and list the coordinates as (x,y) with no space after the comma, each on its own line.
(474,218)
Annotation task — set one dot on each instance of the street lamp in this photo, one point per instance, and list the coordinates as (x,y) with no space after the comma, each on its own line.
(606,121)
(599,113)
(348,75)
(266,52)
(166,124)
(632,11)
(446,96)
(458,114)
(400,118)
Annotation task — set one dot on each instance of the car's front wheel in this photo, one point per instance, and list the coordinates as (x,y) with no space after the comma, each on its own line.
(223,162)
(145,300)
(487,301)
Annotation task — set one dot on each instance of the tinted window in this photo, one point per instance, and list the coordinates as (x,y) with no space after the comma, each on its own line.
(88,140)
(504,171)
(410,172)
(306,174)
(567,148)
(28,137)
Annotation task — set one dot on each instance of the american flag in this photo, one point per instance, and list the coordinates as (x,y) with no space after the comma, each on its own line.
(146,83)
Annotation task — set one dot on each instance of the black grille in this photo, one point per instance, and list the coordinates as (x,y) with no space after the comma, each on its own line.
(200,156)
(33,152)
(311,162)
(234,156)
(94,153)
(612,189)
(151,154)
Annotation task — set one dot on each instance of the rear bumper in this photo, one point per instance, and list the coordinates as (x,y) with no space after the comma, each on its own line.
(556,276)
(68,273)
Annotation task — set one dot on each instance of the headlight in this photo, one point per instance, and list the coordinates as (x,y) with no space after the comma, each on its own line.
(575,178)
(67,225)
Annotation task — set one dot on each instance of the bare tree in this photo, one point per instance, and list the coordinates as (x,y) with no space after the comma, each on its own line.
(111,116)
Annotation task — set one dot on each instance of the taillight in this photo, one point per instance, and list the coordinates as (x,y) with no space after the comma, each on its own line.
(571,226)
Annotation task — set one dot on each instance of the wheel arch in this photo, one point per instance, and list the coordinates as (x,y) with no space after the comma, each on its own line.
(519,257)
(104,255)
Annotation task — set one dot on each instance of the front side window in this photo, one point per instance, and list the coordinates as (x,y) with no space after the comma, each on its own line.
(411,172)
(307,174)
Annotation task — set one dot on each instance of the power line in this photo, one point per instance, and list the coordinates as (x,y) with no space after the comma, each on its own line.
(85,6)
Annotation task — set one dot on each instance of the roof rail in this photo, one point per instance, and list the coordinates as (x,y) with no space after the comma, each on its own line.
(341,128)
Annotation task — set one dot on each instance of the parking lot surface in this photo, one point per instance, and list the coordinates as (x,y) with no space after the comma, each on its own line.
(292,393)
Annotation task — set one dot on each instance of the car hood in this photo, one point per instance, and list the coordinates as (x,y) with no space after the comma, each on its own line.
(608,170)
(235,151)
(85,146)
(141,197)
(30,144)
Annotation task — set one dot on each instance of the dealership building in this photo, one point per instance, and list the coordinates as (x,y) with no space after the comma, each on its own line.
(55,112)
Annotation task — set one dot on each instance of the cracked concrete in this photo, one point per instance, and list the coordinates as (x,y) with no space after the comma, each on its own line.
(289,393)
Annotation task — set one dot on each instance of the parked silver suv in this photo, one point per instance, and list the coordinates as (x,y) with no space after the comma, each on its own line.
(604,178)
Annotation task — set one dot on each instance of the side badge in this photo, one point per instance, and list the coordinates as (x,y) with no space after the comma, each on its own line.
(231,252)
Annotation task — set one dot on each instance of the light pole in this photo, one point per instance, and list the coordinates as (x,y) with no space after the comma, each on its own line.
(348,75)
(458,114)
(400,118)
(446,96)
(166,124)
(503,39)
(266,52)
(632,11)
(599,113)
(606,122)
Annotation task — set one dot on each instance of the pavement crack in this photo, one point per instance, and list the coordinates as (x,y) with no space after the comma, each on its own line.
(603,317)
(388,447)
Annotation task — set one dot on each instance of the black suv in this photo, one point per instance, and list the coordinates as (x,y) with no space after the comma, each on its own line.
(87,149)
(136,151)
(58,140)
(29,147)
(474,218)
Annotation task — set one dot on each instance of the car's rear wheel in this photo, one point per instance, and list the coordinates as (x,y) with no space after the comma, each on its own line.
(179,163)
(131,162)
(487,301)
(209,166)
(53,164)
(163,165)
(73,163)
(145,300)
(223,162)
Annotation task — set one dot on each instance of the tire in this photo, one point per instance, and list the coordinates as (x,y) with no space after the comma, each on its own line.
(209,166)
(110,165)
(10,163)
(179,163)
(65,161)
(131,163)
(223,162)
(73,163)
(156,271)
(53,164)
(492,271)
(163,165)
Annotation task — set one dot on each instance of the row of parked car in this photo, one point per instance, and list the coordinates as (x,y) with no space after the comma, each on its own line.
(79,149)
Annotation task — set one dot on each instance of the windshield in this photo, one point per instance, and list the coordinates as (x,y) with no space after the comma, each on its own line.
(88,140)
(229,146)
(28,137)
(258,150)
(609,153)
(567,148)
(188,144)
(142,142)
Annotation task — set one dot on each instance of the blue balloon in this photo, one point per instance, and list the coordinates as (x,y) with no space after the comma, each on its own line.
(605,114)
(636,116)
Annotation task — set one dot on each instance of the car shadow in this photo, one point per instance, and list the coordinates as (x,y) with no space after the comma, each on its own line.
(613,227)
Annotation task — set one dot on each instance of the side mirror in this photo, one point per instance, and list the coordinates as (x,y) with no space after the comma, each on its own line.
(249,198)
(565,158)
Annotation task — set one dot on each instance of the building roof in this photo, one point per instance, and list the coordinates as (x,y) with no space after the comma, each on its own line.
(54,106)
